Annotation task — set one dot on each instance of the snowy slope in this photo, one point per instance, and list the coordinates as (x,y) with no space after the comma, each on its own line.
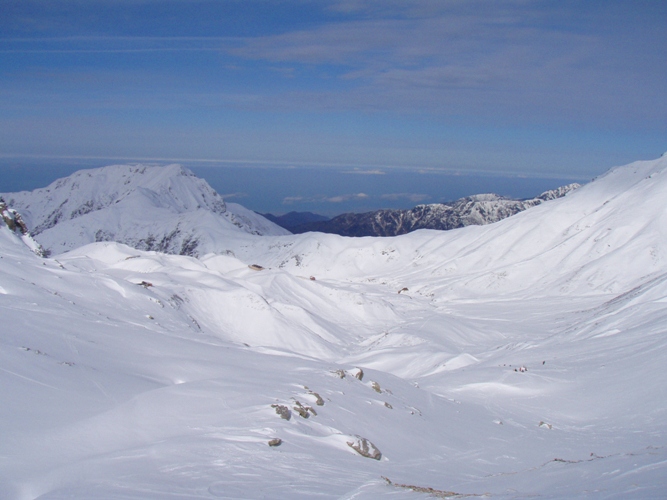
(604,236)
(167,209)
(521,359)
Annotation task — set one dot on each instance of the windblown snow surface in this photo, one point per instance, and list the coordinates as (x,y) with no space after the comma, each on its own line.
(524,359)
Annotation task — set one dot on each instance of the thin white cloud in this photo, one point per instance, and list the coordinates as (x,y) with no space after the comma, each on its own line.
(346,197)
(117,44)
(474,58)
(448,171)
(230,196)
(109,51)
(360,171)
(119,38)
(289,200)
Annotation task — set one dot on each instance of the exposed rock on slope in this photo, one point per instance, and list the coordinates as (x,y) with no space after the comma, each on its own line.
(475,210)
(167,209)
(14,222)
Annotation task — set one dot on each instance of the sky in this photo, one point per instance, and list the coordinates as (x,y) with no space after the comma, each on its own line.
(334,105)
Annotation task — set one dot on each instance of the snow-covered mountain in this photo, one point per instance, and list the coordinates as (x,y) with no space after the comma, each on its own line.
(167,209)
(476,210)
(519,359)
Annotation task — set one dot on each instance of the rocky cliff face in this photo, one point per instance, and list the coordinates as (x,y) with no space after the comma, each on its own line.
(473,210)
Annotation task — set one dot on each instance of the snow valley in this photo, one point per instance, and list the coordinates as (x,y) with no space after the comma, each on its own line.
(521,358)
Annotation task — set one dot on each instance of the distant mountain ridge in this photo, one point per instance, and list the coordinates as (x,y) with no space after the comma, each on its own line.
(478,210)
(167,209)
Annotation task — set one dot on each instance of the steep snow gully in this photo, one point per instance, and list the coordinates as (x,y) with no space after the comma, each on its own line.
(521,359)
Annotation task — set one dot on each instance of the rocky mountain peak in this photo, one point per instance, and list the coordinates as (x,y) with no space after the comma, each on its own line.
(167,209)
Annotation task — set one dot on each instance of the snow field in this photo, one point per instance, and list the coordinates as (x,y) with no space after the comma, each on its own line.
(525,358)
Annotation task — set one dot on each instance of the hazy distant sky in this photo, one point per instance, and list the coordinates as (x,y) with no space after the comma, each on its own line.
(540,88)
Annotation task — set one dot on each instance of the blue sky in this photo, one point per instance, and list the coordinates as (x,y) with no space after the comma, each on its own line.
(538,89)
